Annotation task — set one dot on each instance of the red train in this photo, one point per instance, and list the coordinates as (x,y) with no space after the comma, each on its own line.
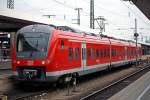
(49,53)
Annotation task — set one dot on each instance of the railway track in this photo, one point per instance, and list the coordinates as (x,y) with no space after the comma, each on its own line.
(40,93)
(29,93)
(109,90)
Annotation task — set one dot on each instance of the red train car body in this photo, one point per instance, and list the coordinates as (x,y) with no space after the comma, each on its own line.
(44,53)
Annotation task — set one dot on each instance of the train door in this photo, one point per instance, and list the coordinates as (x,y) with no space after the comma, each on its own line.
(83,50)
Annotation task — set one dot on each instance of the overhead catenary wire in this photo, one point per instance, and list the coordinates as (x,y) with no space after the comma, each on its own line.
(110,12)
(68,6)
(36,9)
(107,10)
(85,13)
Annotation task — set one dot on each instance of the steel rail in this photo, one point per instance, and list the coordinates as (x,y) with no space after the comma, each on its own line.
(112,84)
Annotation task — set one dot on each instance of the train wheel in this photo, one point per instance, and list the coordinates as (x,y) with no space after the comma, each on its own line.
(61,83)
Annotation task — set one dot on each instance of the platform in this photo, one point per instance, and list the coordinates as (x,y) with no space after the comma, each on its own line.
(138,90)
(5,64)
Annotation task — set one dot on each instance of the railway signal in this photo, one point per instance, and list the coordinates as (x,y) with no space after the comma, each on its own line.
(136,38)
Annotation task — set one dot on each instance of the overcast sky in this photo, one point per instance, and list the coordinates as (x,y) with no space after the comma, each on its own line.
(118,14)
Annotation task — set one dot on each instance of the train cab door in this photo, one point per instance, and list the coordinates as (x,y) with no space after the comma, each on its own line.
(83,50)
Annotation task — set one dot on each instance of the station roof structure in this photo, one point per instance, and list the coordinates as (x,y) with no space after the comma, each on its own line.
(11,20)
(143,5)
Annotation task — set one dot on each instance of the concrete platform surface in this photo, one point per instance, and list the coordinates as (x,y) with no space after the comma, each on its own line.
(5,65)
(138,90)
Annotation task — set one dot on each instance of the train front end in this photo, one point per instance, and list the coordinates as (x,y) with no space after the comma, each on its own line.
(30,53)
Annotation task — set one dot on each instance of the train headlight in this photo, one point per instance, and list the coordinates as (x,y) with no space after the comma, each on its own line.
(43,62)
(18,62)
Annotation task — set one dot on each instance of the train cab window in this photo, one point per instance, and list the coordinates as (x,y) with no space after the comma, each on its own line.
(93,52)
(70,53)
(97,53)
(89,53)
(77,54)
(62,44)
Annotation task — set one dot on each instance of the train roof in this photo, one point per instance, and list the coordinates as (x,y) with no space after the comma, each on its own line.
(42,20)
(89,31)
(79,29)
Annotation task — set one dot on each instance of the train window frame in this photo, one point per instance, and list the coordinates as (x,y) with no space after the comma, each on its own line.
(108,50)
(77,53)
(62,44)
(93,53)
(70,54)
(115,52)
(97,53)
(105,52)
(112,53)
(89,54)
(101,53)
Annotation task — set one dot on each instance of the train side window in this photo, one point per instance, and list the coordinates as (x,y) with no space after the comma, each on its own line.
(100,53)
(108,52)
(135,52)
(97,53)
(89,53)
(93,52)
(118,52)
(70,53)
(62,44)
(128,51)
(77,54)
(104,52)
(112,52)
